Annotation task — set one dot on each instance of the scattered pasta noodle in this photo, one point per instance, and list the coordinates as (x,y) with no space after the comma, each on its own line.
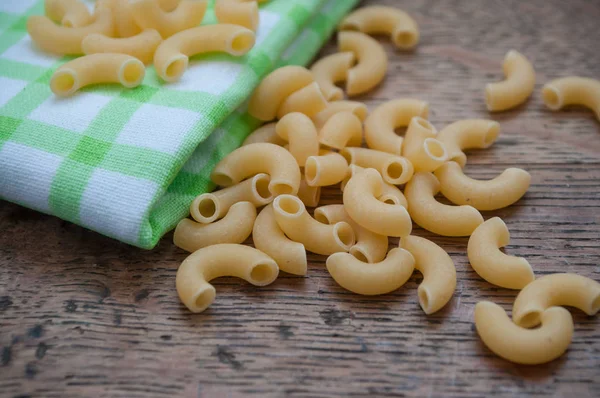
(300,132)
(204,265)
(395,170)
(95,69)
(492,264)
(357,108)
(308,100)
(325,170)
(573,90)
(372,62)
(420,146)
(468,134)
(141,46)
(188,14)
(516,89)
(266,133)
(125,24)
(390,194)
(341,130)
(330,70)
(69,13)
(309,195)
(238,12)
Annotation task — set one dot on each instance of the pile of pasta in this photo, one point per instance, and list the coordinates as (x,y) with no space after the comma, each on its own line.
(121,37)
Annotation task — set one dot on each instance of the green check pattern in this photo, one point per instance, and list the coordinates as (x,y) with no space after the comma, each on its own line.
(127,162)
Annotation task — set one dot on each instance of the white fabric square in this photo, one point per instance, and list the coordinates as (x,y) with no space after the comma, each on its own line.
(16,6)
(158,127)
(267,21)
(115,204)
(10,88)
(214,77)
(25,51)
(26,175)
(203,152)
(73,113)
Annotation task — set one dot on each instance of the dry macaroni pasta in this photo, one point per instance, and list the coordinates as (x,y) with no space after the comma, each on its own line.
(395,170)
(372,62)
(141,46)
(69,13)
(330,70)
(238,12)
(300,132)
(468,134)
(390,194)
(308,100)
(325,170)
(310,196)
(518,86)
(420,146)
(125,24)
(341,130)
(573,90)
(357,108)
(266,133)
(149,15)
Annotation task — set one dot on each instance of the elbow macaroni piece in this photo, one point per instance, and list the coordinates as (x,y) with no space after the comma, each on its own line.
(253,159)
(308,100)
(434,216)
(341,130)
(490,263)
(555,290)
(518,86)
(371,279)
(194,274)
(329,169)
(299,226)
(209,207)
(238,12)
(468,134)
(395,170)
(361,203)
(330,70)
(381,123)
(420,146)
(372,62)
(125,24)
(520,345)
(141,46)
(69,13)
(235,227)
(290,256)
(266,133)
(392,21)
(573,90)
(310,196)
(300,132)
(439,272)
(357,108)
(390,194)
(97,68)
(172,55)
(149,15)
(500,192)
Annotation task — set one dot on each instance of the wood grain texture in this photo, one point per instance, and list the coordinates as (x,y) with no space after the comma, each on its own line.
(82,315)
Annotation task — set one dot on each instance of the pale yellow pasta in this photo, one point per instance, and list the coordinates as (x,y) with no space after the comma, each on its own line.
(330,70)
(310,196)
(434,216)
(361,203)
(500,192)
(188,14)
(209,207)
(468,134)
(321,171)
(371,279)
(141,46)
(573,90)
(69,13)
(238,12)
(395,170)
(420,146)
(390,194)
(381,124)
(168,5)
(299,226)
(372,62)
(300,132)
(275,88)
(290,256)
(172,55)
(391,21)
(493,265)
(235,227)
(194,274)
(265,133)
(439,272)
(520,345)
(369,247)
(253,159)
(555,290)
(357,108)
(125,25)
(97,68)
(308,100)
(516,88)
(61,40)
(341,130)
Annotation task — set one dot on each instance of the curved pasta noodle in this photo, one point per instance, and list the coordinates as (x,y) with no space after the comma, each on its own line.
(325,170)
(361,203)
(371,279)
(266,133)
(357,108)
(141,46)
(235,227)
(299,226)
(149,15)
(420,146)
(392,21)
(524,346)
(308,100)
(341,130)
(468,134)
(275,88)
(390,194)
(439,272)
(330,70)
(555,290)
(493,265)
(434,216)
(253,159)
(381,123)
(97,68)
(67,41)
(369,247)
(573,90)
(297,129)
(125,25)
(194,274)
(238,12)
(395,170)
(69,13)
(518,86)
(209,207)
(372,62)
(500,192)
(310,196)
(290,256)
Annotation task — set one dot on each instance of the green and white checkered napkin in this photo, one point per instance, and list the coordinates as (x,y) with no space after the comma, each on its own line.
(128,162)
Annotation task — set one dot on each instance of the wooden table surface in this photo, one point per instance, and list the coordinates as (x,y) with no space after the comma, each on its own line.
(83,315)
